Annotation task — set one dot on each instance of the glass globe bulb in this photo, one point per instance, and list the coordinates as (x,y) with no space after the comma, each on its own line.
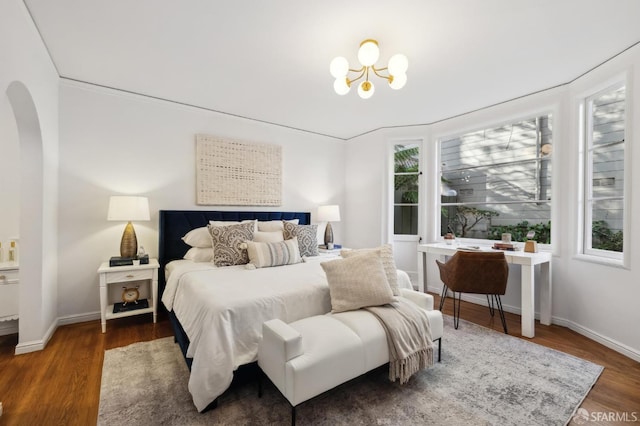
(398,81)
(368,53)
(341,86)
(366,89)
(398,64)
(339,67)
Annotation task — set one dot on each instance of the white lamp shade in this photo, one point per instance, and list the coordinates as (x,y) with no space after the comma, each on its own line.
(399,80)
(366,94)
(128,208)
(330,213)
(339,67)
(368,53)
(398,64)
(340,86)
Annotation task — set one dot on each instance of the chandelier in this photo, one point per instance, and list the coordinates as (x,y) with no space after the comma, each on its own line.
(395,73)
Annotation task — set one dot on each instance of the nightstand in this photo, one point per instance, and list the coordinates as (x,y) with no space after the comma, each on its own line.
(329,254)
(9,291)
(123,275)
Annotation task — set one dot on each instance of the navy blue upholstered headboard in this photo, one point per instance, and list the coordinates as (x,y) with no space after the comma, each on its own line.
(174,224)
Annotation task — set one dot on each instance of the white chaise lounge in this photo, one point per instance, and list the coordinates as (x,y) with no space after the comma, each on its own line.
(313,355)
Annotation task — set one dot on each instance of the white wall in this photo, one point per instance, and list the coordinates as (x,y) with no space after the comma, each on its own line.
(116,143)
(597,300)
(25,60)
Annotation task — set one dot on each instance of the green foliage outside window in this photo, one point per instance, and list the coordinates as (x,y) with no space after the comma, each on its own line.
(519,232)
(603,238)
(407,161)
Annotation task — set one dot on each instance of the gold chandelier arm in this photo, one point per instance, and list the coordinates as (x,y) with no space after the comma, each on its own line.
(377,70)
(362,71)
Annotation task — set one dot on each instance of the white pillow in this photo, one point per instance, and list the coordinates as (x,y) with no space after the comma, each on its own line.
(264,255)
(274,225)
(268,237)
(198,237)
(198,254)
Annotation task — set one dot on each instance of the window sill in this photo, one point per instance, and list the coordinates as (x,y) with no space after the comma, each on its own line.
(616,263)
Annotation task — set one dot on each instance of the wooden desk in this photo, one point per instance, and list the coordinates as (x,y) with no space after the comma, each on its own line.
(527,262)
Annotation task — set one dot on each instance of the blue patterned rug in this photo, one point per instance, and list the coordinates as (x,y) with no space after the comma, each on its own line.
(485,378)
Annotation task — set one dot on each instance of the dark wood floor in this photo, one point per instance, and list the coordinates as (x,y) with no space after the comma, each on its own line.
(61,385)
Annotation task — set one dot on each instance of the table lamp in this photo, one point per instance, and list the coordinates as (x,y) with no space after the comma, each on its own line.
(128,208)
(328,214)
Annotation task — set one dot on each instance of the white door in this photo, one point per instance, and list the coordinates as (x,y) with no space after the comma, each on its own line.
(406,206)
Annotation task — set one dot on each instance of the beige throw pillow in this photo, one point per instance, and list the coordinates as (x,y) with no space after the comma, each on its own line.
(357,282)
(385,252)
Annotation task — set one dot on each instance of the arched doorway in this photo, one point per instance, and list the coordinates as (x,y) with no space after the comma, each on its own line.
(31,323)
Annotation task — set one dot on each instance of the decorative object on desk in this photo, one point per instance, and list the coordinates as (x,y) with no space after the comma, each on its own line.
(125,307)
(330,213)
(128,208)
(449,238)
(506,237)
(504,246)
(531,246)
(130,295)
(120,261)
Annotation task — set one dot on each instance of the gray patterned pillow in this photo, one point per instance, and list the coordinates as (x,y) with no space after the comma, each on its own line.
(307,237)
(357,282)
(227,241)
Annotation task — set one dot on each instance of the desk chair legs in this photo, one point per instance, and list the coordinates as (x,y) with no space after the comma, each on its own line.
(499,305)
(443,296)
(490,302)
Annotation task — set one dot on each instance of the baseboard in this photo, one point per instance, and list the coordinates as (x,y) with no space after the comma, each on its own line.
(38,345)
(603,340)
(73,319)
(562,322)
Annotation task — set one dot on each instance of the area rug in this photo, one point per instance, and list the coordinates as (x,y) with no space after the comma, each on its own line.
(485,378)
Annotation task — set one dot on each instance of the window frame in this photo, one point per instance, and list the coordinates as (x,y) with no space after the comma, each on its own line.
(392,205)
(585,250)
(545,111)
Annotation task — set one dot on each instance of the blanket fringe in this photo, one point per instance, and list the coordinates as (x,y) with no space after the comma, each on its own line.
(403,369)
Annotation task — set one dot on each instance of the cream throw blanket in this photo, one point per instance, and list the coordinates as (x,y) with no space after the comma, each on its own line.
(408,336)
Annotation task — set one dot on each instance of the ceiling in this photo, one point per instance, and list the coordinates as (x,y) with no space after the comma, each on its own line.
(269,60)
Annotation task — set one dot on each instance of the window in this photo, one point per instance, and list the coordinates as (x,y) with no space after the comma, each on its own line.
(604,172)
(498,180)
(406,174)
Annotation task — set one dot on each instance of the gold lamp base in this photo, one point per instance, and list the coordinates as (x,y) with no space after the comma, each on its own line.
(129,243)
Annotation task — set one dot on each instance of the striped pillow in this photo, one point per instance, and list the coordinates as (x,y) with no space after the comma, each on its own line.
(264,255)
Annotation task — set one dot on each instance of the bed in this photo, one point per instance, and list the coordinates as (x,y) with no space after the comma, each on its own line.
(217,313)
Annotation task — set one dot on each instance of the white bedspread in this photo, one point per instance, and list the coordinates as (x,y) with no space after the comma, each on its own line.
(222,311)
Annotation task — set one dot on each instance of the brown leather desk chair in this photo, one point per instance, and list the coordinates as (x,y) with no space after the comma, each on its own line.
(475,272)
